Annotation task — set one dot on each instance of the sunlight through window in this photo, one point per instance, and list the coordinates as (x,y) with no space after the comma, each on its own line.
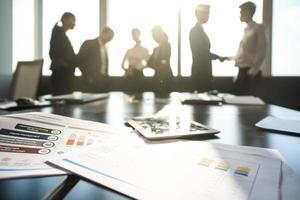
(125,15)
(23,31)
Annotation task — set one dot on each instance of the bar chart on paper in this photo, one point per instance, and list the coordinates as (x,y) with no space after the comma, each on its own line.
(75,140)
(134,171)
(232,178)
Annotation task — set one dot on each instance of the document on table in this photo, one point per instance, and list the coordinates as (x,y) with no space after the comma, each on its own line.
(176,171)
(286,125)
(247,100)
(27,140)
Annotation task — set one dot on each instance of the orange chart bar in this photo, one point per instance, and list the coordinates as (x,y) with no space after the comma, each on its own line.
(71,139)
(80,141)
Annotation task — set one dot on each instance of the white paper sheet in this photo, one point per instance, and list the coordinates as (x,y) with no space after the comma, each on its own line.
(28,139)
(247,100)
(273,123)
(176,171)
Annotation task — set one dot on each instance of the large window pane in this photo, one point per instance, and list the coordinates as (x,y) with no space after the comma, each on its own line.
(286,40)
(87,23)
(125,15)
(223,28)
(23,31)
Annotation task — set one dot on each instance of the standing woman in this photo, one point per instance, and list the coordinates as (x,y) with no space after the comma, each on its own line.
(136,57)
(62,56)
(160,61)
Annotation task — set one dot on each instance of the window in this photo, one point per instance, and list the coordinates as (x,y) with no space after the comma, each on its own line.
(286,41)
(125,15)
(87,23)
(23,31)
(223,28)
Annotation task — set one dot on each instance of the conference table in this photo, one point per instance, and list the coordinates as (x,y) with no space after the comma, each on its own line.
(236,124)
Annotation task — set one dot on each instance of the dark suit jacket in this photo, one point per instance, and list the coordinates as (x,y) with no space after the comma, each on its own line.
(200,46)
(89,60)
(61,52)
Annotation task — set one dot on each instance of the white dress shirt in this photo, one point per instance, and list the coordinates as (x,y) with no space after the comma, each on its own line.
(103,64)
(252,49)
(136,57)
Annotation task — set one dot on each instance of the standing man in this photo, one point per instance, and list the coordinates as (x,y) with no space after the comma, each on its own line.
(251,53)
(93,61)
(200,46)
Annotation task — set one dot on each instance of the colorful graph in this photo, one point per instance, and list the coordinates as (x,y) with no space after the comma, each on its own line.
(225,166)
(244,171)
(79,140)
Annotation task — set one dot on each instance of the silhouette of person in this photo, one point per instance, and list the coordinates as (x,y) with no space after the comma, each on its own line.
(93,61)
(63,58)
(200,46)
(160,61)
(251,52)
(135,58)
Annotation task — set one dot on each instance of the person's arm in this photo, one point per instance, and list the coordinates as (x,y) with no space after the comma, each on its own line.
(82,57)
(261,51)
(145,59)
(151,60)
(124,60)
(214,56)
(165,53)
(56,42)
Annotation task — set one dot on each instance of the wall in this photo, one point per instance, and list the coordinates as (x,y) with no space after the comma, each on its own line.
(6,37)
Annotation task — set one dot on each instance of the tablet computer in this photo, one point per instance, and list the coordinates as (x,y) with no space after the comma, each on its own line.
(169,127)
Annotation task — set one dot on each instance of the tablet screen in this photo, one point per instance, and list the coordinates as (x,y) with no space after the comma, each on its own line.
(168,127)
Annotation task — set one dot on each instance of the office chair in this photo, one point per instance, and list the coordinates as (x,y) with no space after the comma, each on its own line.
(26,79)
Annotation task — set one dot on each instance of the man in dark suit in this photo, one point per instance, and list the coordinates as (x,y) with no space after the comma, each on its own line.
(200,46)
(93,61)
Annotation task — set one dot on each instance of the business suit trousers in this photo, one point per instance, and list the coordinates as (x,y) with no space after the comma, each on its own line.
(246,84)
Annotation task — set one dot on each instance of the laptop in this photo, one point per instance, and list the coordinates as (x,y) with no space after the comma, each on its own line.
(78,97)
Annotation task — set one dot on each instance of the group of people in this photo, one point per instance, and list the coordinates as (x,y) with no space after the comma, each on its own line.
(249,58)
(92,59)
(138,58)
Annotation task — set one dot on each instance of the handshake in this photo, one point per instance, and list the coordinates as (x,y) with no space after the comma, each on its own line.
(223,58)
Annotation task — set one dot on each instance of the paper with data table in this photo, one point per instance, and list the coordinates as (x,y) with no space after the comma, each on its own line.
(180,170)
(27,140)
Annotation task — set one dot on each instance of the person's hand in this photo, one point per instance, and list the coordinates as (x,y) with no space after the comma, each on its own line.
(227,58)
(222,59)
